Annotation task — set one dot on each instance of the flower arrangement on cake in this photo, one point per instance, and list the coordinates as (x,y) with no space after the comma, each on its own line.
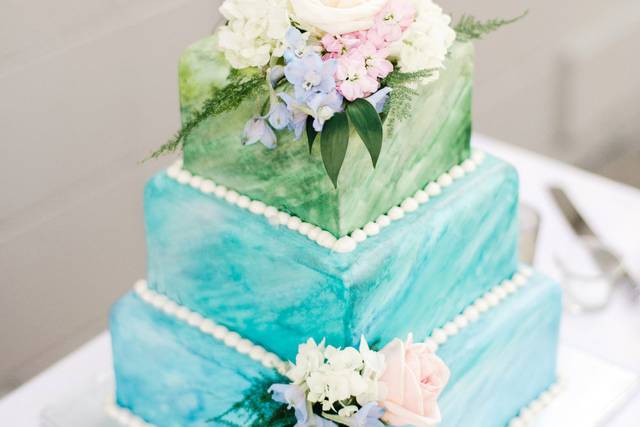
(330,68)
(329,387)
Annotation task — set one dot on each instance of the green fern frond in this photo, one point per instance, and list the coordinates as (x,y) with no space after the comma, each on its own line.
(398,106)
(242,85)
(469,28)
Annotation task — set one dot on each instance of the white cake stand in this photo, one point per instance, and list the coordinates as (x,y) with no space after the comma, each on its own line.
(593,390)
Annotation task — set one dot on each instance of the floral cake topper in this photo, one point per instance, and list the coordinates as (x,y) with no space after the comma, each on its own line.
(398,385)
(330,68)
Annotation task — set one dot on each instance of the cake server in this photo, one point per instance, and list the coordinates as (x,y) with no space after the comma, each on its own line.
(605,260)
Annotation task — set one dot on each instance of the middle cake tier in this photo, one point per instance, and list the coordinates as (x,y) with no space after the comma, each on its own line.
(277,287)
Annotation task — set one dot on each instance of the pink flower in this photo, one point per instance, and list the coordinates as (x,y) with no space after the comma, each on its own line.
(352,79)
(354,39)
(332,44)
(375,60)
(414,378)
(398,12)
(390,23)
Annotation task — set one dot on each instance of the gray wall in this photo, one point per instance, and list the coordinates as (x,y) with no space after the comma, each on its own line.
(89,87)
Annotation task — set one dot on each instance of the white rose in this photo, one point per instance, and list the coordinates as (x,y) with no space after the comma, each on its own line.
(337,16)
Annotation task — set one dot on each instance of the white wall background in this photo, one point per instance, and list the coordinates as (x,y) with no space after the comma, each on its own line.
(89,87)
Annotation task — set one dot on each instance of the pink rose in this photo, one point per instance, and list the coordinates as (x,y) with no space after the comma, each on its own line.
(414,378)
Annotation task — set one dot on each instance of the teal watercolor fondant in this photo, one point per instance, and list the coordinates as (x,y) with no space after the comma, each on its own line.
(504,361)
(172,375)
(433,139)
(277,288)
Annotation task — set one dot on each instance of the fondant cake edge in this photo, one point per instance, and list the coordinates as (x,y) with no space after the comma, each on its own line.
(342,244)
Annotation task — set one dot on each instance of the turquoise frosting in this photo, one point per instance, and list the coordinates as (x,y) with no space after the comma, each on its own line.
(172,375)
(277,288)
(505,360)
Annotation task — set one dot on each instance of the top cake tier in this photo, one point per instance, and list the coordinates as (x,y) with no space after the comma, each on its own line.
(433,139)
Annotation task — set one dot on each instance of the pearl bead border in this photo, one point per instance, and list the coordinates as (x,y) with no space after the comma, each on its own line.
(209,327)
(486,302)
(528,414)
(344,244)
(124,416)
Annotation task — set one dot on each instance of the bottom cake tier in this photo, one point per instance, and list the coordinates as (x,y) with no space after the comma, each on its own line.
(174,368)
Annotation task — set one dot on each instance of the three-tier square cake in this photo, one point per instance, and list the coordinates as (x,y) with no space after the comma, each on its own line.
(330,250)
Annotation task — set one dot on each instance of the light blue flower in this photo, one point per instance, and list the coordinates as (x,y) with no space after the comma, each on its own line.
(318,421)
(379,99)
(323,107)
(295,45)
(367,416)
(310,75)
(280,116)
(294,397)
(276,73)
(299,111)
(258,130)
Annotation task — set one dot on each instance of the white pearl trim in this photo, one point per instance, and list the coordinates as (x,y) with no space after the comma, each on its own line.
(124,416)
(528,414)
(210,327)
(486,302)
(343,244)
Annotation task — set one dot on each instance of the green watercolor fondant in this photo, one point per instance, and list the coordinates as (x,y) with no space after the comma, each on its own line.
(431,141)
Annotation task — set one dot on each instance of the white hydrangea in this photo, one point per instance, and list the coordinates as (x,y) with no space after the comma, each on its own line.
(331,375)
(254,32)
(424,45)
(309,359)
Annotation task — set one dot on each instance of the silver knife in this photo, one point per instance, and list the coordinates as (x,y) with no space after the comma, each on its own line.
(604,259)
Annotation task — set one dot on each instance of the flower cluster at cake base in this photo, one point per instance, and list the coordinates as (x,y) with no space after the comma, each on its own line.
(398,385)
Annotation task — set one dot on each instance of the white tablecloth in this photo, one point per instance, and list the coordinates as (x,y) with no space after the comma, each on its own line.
(612,209)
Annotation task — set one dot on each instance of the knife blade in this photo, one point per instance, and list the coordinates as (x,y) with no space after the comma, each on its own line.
(582,229)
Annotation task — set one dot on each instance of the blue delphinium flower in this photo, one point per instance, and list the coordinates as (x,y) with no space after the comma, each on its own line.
(367,416)
(295,45)
(324,106)
(258,130)
(310,75)
(294,397)
(299,111)
(318,421)
(379,99)
(280,116)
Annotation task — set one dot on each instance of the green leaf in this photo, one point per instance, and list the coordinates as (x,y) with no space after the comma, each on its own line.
(311,133)
(367,122)
(333,144)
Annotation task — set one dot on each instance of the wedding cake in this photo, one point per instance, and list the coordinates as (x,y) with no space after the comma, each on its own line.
(329,250)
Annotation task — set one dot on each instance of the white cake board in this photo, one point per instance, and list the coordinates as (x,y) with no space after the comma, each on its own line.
(593,391)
